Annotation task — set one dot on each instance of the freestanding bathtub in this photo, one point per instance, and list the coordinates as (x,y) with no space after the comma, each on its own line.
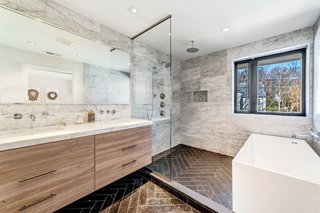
(276,175)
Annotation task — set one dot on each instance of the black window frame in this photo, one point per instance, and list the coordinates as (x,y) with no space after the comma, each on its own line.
(252,84)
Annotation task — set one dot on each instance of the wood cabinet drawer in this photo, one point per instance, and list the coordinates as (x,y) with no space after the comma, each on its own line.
(21,170)
(32,178)
(72,183)
(75,172)
(118,153)
(38,203)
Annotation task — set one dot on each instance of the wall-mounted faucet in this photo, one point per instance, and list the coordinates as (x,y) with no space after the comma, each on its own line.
(111,111)
(32,117)
(46,113)
(314,135)
(16,116)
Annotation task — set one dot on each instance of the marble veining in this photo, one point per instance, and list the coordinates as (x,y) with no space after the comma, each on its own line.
(34,8)
(113,89)
(41,136)
(316,116)
(72,21)
(57,114)
(55,14)
(212,125)
(149,78)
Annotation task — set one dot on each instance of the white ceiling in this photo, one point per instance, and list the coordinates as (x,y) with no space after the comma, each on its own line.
(202,20)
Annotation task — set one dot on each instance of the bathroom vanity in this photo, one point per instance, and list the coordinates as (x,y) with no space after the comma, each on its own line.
(43,172)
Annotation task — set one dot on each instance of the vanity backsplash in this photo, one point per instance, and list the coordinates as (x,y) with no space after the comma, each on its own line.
(41,115)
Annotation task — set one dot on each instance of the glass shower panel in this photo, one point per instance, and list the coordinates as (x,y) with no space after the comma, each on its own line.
(151,90)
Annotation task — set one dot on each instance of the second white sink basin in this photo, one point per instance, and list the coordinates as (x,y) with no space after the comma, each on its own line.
(33,131)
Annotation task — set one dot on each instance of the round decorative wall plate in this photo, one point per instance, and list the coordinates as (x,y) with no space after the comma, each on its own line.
(52,95)
(33,94)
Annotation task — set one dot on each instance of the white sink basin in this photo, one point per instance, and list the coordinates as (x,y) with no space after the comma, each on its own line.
(25,132)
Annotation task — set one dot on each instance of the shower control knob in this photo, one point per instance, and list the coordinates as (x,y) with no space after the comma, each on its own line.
(162,95)
(162,113)
(162,104)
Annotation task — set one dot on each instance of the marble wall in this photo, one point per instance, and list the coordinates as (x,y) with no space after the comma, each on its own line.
(57,114)
(54,14)
(66,19)
(316,116)
(151,76)
(105,85)
(212,125)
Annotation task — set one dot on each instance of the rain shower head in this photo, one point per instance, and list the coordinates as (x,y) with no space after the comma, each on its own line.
(192,49)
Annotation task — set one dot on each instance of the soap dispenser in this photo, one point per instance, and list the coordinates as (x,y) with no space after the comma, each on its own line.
(91,116)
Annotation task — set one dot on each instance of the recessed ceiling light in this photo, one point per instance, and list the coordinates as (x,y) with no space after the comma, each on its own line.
(79,54)
(64,41)
(133,9)
(32,43)
(225,29)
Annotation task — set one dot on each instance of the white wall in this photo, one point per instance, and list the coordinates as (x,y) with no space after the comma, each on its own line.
(14,61)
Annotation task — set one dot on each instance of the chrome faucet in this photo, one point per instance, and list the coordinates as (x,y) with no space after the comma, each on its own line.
(16,116)
(111,111)
(46,113)
(65,122)
(314,135)
(32,117)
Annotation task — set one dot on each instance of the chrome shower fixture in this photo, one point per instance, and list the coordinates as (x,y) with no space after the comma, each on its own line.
(192,49)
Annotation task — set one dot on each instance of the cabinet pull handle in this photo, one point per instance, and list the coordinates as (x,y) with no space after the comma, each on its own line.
(39,201)
(127,164)
(36,176)
(129,147)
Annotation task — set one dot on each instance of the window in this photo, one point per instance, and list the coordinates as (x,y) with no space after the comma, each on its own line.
(272,84)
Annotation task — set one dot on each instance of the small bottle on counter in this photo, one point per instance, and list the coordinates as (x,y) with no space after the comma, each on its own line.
(79,119)
(91,116)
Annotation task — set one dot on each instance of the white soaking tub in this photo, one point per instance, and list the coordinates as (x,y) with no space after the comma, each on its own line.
(276,175)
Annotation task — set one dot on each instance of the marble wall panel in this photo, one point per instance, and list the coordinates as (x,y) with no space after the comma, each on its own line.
(55,14)
(34,8)
(221,130)
(72,21)
(316,115)
(150,76)
(57,113)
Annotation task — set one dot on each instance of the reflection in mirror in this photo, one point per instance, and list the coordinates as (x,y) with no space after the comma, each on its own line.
(45,65)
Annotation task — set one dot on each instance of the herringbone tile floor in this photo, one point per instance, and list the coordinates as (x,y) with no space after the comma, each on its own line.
(131,194)
(207,173)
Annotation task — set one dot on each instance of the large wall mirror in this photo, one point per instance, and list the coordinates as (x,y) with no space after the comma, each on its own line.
(42,64)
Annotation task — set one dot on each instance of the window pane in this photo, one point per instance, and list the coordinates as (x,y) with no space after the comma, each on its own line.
(279,84)
(242,71)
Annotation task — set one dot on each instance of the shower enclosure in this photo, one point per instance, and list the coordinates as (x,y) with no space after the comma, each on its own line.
(161,92)
(151,88)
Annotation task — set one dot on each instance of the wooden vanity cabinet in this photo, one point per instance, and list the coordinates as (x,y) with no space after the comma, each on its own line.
(120,153)
(44,178)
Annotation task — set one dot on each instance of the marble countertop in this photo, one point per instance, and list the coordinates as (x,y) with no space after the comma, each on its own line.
(29,137)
